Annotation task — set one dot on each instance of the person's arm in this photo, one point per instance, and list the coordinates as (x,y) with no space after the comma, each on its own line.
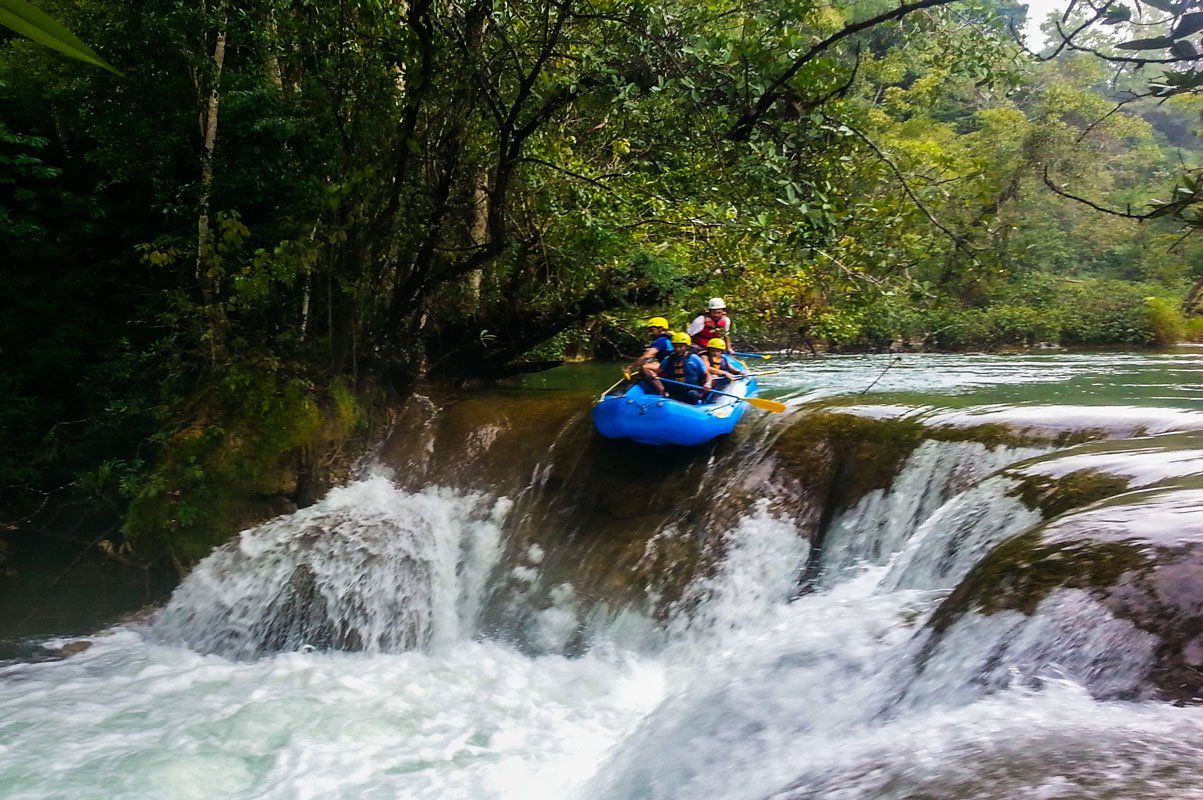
(731,372)
(651,373)
(707,378)
(647,356)
(696,326)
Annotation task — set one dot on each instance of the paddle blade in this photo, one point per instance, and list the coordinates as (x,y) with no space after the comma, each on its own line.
(766,405)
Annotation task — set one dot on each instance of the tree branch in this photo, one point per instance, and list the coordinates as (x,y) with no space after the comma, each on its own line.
(743,128)
(1059,191)
(956,238)
(594,181)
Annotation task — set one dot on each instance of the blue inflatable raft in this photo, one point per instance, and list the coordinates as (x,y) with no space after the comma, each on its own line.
(649,418)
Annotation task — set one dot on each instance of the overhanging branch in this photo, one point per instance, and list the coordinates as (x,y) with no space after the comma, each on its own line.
(743,128)
(956,238)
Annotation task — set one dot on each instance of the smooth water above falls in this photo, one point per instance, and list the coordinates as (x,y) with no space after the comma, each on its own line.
(510,635)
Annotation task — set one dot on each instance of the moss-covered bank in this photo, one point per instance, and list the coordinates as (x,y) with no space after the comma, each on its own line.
(259,444)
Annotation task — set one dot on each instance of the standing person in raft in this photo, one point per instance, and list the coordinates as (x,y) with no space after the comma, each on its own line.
(722,371)
(683,366)
(713,324)
(659,345)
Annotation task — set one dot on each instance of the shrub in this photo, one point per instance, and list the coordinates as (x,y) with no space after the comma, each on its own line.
(1114,312)
(1166,322)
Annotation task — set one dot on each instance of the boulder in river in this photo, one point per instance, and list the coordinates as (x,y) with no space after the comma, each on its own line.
(1132,564)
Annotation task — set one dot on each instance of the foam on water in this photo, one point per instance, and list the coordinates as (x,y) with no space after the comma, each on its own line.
(130,719)
(756,692)
(370,567)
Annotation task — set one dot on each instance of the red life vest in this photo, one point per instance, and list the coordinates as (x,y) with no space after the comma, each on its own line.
(711,330)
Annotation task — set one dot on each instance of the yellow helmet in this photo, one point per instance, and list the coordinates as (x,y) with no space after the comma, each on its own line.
(716,344)
(682,338)
(656,322)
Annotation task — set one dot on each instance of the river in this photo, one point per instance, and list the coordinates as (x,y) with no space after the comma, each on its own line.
(565,619)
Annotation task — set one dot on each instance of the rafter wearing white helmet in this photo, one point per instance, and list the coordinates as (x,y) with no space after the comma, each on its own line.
(713,324)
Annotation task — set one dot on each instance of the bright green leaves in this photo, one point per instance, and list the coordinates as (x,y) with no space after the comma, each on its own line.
(29,21)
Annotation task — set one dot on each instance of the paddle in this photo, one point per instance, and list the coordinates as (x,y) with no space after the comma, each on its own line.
(626,376)
(752,355)
(755,402)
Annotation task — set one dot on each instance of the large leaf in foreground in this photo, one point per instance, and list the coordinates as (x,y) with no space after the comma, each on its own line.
(26,20)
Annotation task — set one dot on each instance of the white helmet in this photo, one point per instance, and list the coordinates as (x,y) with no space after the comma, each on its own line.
(715,303)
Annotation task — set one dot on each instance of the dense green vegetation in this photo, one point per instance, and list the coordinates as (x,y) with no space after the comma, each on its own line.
(277,201)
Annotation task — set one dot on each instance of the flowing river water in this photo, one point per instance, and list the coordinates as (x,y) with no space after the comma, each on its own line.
(502,606)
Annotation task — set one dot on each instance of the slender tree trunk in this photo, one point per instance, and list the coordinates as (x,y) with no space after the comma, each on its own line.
(208,125)
(1192,306)
(271,62)
(206,280)
(478,233)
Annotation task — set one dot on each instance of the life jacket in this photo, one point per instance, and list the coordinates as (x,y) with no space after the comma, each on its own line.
(716,362)
(678,366)
(689,368)
(710,330)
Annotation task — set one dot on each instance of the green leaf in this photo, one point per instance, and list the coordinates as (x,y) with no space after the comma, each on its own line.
(1183,48)
(1190,23)
(26,20)
(1117,15)
(1155,43)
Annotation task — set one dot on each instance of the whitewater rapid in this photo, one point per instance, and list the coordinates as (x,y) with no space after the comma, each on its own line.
(750,688)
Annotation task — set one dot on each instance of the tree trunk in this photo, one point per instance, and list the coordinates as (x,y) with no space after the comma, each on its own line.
(479,232)
(205,262)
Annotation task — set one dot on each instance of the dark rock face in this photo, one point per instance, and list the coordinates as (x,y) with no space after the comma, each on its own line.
(1139,557)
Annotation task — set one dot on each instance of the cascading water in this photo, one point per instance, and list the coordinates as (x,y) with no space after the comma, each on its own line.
(368,568)
(425,643)
(882,522)
(946,545)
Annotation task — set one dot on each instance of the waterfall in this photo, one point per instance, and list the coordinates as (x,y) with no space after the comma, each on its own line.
(877,528)
(370,567)
(763,556)
(1069,637)
(632,627)
(946,545)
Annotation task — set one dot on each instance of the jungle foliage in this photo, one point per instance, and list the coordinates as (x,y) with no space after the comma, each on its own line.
(278,200)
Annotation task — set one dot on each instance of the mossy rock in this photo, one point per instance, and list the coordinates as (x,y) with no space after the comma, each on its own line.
(1139,555)
(846,453)
(1055,496)
(484,440)
(261,443)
